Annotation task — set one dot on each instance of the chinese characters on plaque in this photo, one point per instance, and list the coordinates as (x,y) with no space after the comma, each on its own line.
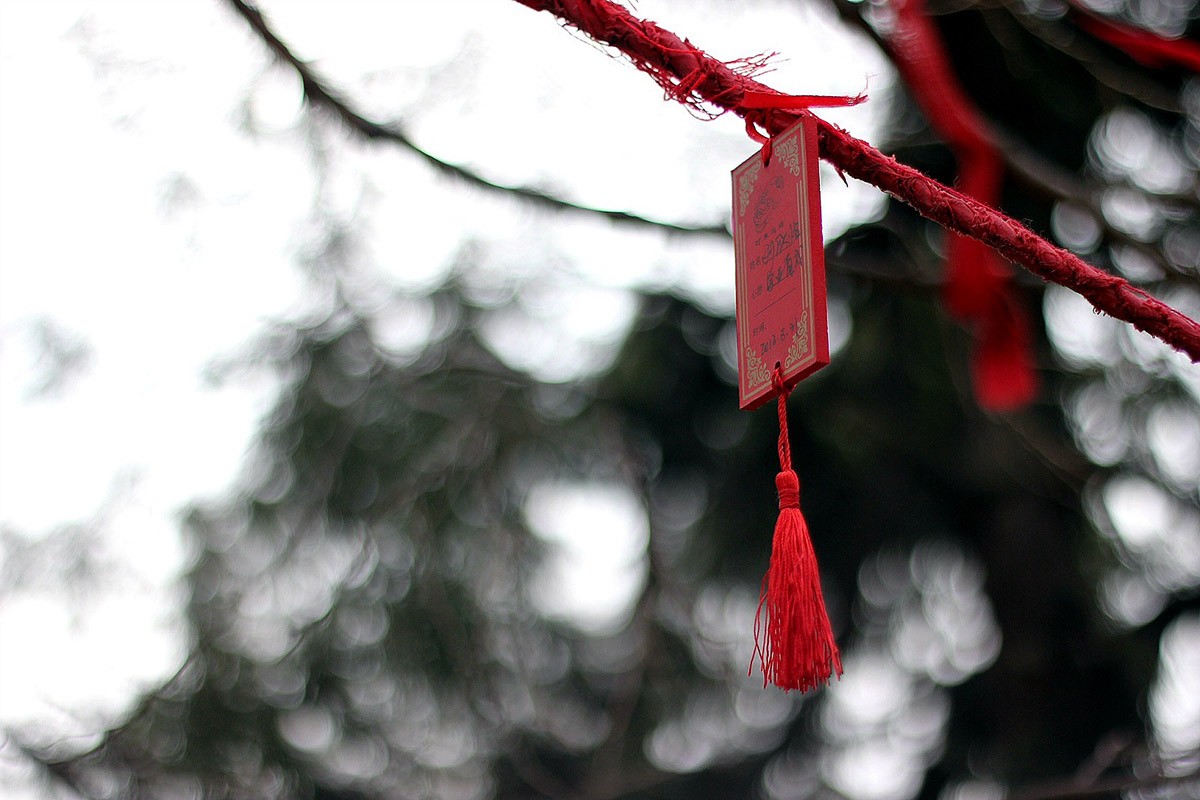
(780,265)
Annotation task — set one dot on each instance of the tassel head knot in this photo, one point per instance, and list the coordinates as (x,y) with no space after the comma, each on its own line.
(788,486)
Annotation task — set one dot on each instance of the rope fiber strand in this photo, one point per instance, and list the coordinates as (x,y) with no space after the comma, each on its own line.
(691,76)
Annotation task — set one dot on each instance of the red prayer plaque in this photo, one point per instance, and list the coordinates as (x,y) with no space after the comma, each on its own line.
(780,265)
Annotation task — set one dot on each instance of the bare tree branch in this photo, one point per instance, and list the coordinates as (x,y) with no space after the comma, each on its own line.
(319,93)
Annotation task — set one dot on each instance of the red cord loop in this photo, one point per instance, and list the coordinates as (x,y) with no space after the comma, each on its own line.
(785,447)
(753,119)
(759,102)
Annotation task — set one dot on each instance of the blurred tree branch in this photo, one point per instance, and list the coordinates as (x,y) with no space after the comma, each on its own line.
(1117,78)
(1113,788)
(1025,163)
(319,93)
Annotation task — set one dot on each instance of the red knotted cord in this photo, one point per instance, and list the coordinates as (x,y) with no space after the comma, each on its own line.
(785,446)
(671,60)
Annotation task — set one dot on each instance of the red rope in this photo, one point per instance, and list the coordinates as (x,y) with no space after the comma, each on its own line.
(794,101)
(785,446)
(690,75)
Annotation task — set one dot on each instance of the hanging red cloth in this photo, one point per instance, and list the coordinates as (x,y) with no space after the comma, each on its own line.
(978,287)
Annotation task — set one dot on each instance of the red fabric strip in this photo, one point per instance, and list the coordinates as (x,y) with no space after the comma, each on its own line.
(797,101)
(978,289)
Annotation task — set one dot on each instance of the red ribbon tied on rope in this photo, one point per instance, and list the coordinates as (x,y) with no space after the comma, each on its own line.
(753,99)
(758,102)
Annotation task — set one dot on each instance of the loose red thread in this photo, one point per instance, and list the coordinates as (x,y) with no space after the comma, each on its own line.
(766,141)
(668,58)
(793,640)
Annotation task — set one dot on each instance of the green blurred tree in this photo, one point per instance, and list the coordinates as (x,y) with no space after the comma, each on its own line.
(366,612)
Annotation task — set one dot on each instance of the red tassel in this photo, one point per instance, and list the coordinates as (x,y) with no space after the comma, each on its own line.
(792,636)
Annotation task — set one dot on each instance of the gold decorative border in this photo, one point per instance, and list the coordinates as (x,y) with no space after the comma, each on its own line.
(756,371)
(789,153)
(799,350)
(745,186)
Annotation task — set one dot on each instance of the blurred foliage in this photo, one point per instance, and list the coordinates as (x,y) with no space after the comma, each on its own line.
(366,616)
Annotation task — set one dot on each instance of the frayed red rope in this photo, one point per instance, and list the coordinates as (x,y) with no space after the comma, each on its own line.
(667,57)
